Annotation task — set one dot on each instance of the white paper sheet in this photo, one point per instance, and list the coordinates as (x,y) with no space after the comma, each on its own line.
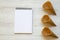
(23,21)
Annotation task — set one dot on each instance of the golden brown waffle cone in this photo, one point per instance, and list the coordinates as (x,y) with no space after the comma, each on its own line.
(48,33)
(47,7)
(47,21)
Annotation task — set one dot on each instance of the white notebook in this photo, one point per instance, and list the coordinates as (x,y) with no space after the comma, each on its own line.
(23,20)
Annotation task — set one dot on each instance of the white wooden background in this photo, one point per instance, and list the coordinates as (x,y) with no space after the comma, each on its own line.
(7,11)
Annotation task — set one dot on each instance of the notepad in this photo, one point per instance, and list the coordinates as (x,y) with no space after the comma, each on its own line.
(23,20)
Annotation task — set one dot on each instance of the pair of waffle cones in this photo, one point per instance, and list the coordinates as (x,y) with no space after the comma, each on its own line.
(47,21)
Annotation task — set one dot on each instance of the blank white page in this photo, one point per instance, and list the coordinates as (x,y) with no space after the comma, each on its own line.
(23,21)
